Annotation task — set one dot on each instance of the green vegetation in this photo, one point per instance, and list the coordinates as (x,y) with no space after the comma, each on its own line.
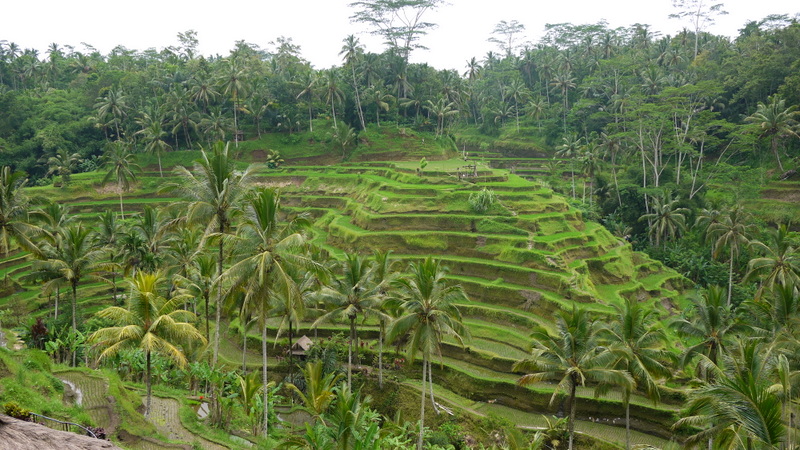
(594,227)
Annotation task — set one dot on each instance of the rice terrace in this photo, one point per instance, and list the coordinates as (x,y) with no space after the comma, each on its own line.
(587,243)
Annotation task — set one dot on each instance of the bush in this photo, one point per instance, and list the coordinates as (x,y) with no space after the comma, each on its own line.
(14,410)
(480,202)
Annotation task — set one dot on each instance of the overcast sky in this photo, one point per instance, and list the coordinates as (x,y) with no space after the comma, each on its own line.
(319,26)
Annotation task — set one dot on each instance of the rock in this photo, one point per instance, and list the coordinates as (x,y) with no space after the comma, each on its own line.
(29,435)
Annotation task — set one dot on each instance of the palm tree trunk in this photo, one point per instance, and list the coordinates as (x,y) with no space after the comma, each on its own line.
(628,424)
(730,278)
(380,356)
(264,379)
(422,403)
(358,98)
(208,332)
(244,350)
(161,172)
(775,151)
(218,312)
(291,355)
(350,355)
(74,306)
(571,424)
(58,294)
(149,387)
(121,210)
(430,383)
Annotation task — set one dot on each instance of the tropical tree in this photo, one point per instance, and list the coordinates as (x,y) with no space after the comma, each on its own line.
(114,105)
(666,221)
(342,137)
(154,136)
(441,109)
(351,52)
(269,247)
(320,389)
(122,168)
(75,258)
(570,150)
(14,222)
(152,322)
(710,323)
(233,83)
(308,85)
(776,121)
(779,263)
(353,295)
(640,346)
(732,231)
(429,314)
(63,164)
(214,187)
(332,92)
(571,357)
(738,409)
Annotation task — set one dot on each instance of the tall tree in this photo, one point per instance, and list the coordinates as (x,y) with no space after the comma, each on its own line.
(733,232)
(14,222)
(268,246)
(776,121)
(399,22)
(700,13)
(641,348)
(354,294)
(571,357)
(151,322)
(429,314)
(214,188)
(351,52)
(122,168)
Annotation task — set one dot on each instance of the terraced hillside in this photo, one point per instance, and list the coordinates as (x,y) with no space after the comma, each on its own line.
(525,258)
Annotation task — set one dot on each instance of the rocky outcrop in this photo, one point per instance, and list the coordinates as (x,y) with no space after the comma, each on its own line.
(20,435)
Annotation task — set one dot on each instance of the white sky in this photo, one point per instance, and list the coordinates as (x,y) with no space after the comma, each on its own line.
(319,26)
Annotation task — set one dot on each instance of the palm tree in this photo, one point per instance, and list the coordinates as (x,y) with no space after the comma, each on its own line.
(570,150)
(121,165)
(352,295)
(665,221)
(352,52)
(154,135)
(375,95)
(214,188)
(429,314)
(232,83)
(571,357)
(384,275)
(14,222)
(732,231)
(738,409)
(75,258)
(308,83)
(151,322)
(320,389)
(270,248)
(516,91)
(109,237)
(780,263)
(440,109)
(564,81)
(640,346)
(342,137)
(333,94)
(113,105)
(63,164)
(710,323)
(777,121)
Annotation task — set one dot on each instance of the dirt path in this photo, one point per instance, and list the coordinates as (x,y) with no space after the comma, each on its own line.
(164,415)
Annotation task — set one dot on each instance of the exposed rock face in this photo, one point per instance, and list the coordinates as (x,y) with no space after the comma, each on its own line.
(20,435)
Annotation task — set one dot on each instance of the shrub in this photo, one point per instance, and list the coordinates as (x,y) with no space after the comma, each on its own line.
(480,202)
(14,410)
